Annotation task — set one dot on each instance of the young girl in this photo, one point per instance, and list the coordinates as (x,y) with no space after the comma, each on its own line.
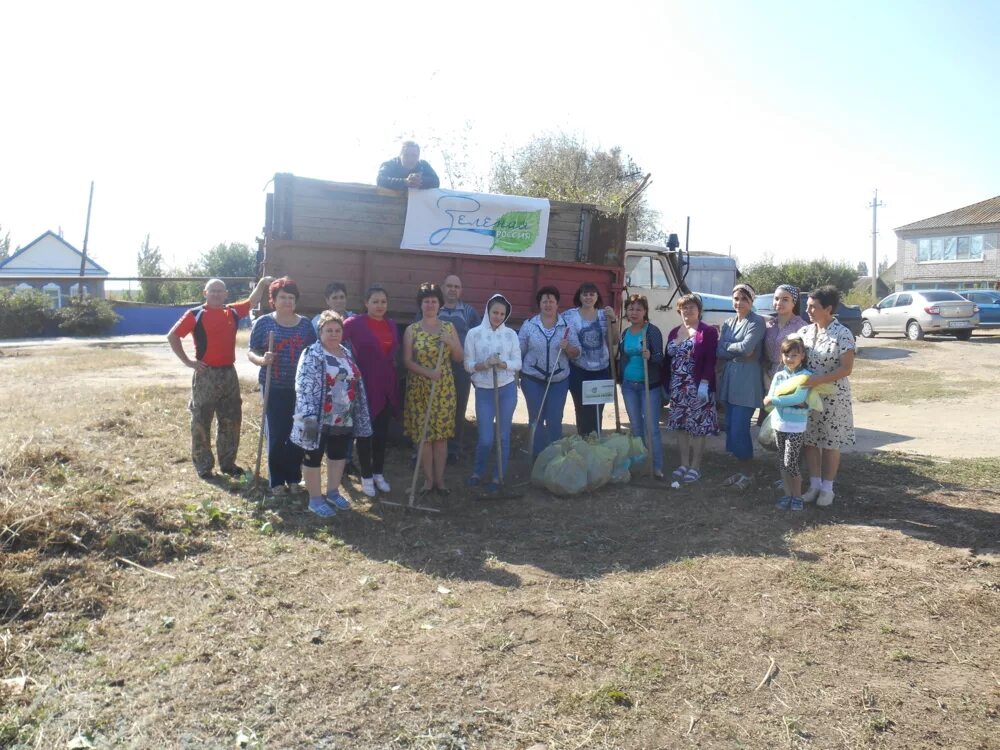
(790,418)
(331,408)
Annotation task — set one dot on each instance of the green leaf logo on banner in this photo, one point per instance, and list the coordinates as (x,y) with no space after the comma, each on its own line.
(516,231)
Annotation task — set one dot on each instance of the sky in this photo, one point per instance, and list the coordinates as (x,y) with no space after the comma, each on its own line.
(769,124)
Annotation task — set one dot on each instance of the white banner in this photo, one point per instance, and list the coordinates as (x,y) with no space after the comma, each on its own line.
(477,223)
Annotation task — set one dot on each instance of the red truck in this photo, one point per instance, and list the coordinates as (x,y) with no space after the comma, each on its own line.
(318,231)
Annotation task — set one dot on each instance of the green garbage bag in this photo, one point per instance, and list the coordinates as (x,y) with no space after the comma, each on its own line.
(566,475)
(600,461)
(552,451)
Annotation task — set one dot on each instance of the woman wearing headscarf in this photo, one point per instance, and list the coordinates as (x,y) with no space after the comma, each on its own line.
(741,388)
(492,346)
(786,320)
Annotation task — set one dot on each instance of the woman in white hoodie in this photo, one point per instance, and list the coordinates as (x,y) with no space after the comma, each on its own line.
(488,345)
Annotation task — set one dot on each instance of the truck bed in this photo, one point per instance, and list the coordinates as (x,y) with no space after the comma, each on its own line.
(318,231)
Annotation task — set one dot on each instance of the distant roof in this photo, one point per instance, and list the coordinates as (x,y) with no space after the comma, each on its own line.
(984,212)
(39,238)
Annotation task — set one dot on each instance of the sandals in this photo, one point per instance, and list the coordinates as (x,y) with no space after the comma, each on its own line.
(680,472)
(739,481)
(691,475)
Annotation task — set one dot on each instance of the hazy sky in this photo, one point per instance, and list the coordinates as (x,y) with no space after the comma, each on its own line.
(769,123)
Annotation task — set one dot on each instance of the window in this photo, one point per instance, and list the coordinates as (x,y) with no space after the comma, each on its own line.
(660,278)
(74,291)
(949,249)
(639,271)
(54,294)
(904,300)
(888,301)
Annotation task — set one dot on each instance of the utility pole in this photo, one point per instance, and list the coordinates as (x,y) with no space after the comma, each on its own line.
(874,206)
(86,236)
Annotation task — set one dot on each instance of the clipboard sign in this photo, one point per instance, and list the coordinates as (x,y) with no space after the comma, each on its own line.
(596,392)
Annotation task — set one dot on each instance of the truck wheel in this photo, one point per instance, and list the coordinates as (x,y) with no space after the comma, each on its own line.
(913,331)
(866,329)
(963,335)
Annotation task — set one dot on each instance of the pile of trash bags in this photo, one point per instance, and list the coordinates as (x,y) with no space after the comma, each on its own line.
(575,464)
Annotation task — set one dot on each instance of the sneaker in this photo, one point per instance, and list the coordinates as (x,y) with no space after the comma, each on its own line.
(692,475)
(810,495)
(679,472)
(824,498)
(381,483)
(337,500)
(279,491)
(785,502)
(320,508)
(206,474)
(368,486)
(797,503)
(234,471)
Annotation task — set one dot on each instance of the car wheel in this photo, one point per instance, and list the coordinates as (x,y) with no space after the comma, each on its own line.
(913,331)
(963,335)
(866,329)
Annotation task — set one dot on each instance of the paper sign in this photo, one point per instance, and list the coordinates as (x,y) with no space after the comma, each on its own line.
(598,392)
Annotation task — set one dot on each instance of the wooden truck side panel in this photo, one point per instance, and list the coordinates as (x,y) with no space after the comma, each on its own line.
(319,231)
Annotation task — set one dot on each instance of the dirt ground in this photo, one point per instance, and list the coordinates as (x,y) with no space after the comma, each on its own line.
(141,607)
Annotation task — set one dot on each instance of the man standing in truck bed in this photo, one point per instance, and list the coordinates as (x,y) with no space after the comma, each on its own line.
(215,387)
(407,170)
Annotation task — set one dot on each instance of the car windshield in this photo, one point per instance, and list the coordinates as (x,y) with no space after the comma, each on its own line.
(942,296)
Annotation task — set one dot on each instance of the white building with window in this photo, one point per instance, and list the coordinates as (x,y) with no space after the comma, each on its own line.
(51,255)
(956,250)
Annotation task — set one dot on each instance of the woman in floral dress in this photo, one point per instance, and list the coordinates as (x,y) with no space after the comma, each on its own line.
(691,387)
(830,355)
(421,344)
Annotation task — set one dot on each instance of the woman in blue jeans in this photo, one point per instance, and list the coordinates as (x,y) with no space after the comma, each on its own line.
(642,341)
(493,346)
(547,346)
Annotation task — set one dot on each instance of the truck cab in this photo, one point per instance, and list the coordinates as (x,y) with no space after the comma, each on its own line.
(657,273)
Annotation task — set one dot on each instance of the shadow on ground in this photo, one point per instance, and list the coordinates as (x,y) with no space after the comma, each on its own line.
(628,528)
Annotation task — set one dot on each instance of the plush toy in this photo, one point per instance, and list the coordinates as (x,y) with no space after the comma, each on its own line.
(814,399)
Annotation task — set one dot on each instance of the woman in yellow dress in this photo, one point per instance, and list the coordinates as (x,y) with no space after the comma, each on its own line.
(421,344)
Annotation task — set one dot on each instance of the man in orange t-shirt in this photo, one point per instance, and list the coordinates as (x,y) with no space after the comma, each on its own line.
(215,387)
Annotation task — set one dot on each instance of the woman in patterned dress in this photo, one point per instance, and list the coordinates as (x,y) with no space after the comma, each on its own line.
(421,344)
(830,356)
(690,371)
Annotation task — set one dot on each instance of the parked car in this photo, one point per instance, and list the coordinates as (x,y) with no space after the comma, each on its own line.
(916,312)
(848,315)
(988,303)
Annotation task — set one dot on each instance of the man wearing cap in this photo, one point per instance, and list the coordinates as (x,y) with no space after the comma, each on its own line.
(408,170)
(215,387)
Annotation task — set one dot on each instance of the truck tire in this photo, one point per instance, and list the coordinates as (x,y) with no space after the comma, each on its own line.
(913,331)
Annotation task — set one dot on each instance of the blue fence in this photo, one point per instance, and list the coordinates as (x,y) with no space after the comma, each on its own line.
(138,318)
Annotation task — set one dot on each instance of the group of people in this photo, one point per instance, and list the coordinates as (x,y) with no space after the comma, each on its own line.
(331,385)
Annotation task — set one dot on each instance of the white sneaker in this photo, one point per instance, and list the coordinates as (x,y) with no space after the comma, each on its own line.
(810,495)
(824,498)
(368,486)
(381,483)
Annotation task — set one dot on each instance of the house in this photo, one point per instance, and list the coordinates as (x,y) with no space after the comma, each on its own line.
(51,255)
(954,250)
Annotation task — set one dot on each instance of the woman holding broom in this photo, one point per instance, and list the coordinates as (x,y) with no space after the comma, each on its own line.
(493,357)
(425,344)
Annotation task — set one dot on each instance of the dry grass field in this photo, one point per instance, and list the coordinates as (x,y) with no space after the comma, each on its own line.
(141,607)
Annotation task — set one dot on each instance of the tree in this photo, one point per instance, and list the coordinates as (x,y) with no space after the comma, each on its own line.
(149,262)
(862,268)
(560,167)
(4,244)
(766,275)
(233,259)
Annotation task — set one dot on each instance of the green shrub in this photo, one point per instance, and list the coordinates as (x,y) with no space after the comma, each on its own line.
(23,313)
(90,316)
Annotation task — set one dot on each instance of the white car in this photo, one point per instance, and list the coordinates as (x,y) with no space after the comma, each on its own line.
(915,313)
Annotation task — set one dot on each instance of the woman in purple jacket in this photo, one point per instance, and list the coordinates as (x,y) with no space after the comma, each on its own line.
(691,355)
(374,342)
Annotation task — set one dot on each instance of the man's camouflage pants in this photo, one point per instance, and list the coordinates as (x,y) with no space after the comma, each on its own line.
(215,391)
